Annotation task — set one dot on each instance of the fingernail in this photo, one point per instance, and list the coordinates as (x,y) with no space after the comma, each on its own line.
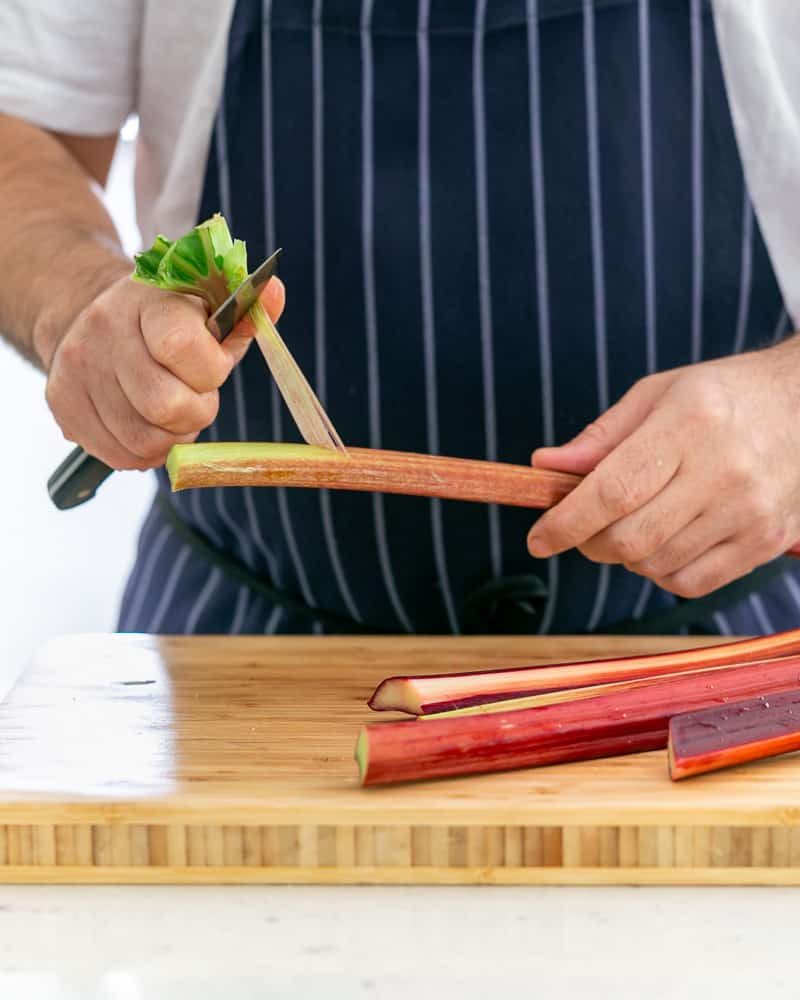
(538,547)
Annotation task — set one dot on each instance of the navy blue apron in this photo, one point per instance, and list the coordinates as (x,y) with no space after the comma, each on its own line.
(496,218)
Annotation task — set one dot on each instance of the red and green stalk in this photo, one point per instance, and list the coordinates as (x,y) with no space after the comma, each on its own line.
(720,737)
(424,695)
(274,464)
(617,723)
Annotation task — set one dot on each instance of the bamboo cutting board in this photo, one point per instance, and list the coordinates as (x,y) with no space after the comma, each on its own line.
(146,759)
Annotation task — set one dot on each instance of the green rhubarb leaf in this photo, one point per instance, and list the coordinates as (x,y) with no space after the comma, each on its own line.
(147,263)
(206,262)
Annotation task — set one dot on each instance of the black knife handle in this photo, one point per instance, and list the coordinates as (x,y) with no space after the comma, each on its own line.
(77,479)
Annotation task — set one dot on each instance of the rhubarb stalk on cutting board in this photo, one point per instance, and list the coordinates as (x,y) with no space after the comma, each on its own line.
(726,735)
(423,695)
(606,725)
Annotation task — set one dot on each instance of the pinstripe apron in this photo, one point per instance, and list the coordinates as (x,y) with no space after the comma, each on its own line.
(496,216)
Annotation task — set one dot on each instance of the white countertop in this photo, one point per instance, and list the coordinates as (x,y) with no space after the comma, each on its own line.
(208,943)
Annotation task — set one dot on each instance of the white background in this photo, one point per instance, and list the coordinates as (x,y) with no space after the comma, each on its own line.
(62,571)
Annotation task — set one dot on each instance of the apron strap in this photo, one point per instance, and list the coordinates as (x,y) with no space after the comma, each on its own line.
(506,605)
(241,574)
(515,604)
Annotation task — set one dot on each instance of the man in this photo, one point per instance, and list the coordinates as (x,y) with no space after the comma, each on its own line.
(498,218)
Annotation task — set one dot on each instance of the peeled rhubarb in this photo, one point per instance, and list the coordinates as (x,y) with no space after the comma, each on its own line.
(423,695)
(276,464)
(720,737)
(606,725)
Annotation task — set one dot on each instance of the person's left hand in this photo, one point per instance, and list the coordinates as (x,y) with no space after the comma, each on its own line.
(692,478)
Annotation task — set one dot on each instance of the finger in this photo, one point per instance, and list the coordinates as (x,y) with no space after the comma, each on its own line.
(598,439)
(273,298)
(83,426)
(697,538)
(157,395)
(143,439)
(719,565)
(623,482)
(648,531)
(174,332)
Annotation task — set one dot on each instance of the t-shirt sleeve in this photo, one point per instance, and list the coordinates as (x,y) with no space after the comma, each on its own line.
(70,65)
(758,42)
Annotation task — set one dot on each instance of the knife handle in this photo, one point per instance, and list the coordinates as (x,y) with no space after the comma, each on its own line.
(77,479)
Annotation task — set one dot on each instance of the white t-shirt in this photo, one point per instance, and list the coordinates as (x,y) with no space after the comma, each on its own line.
(82,66)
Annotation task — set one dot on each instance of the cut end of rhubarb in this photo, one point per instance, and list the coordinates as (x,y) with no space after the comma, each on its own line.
(362,755)
(675,772)
(210,463)
(396,694)
(174,466)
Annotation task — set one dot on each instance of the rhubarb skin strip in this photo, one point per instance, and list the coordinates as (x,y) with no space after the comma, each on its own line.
(365,469)
(424,695)
(716,738)
(607,725)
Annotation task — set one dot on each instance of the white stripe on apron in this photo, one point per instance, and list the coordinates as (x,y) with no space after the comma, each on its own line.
(697,179)
(598,262)
(428,321)
(484,273)
(317,71)
(542,292)
(370,317)
(284,515)
(746,273)
(170,586)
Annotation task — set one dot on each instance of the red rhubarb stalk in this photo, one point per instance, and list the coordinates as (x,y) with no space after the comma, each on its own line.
(423,695)
(714,738)
(557,697)
(276,464)
(610,724)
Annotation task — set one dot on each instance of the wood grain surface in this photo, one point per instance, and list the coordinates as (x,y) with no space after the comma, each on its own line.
(179,759)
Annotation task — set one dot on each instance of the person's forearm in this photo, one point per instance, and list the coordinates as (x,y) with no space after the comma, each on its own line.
(59,248)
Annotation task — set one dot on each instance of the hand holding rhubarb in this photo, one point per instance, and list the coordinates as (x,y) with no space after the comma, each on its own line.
(692,478)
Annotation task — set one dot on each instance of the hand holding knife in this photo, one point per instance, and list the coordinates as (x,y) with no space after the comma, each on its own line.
(80,475)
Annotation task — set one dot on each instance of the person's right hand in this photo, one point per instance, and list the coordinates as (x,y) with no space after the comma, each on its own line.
(137,372)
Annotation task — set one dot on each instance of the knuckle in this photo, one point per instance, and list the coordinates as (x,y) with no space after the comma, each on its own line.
(71,353)
(208,409)
(144,442)
(174,344)
(739,472)
(166,409)
(691,585)
(710,403)
(595,432)
(629,547)
(760,511)
(95,315)
(617,494)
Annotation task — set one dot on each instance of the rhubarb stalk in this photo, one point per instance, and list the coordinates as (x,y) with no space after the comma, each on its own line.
(715,738)
(275,464)
(606,725)
(423,695)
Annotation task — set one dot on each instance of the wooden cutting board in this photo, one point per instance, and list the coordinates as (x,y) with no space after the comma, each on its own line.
(204,759)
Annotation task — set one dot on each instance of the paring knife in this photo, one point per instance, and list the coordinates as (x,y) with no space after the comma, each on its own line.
(80,475)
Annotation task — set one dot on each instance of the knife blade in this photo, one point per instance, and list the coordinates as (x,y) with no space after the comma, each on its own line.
(78,478)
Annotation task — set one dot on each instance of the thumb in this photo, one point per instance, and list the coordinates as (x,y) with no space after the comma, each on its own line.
(273,298)
(601,437)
